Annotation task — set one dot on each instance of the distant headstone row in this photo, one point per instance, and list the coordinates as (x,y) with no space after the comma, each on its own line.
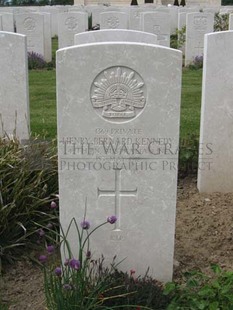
(39,24)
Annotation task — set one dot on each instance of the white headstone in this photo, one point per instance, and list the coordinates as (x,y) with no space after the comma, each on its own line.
(231,22)
(32,25)
(69,24)
(215,172)
(197,25)
(173,12)
(114,35)
(54,18)
(7,22)
(157,23)
(47,37)
(14,103)
(181,20)
(118,133)
(114,20)
(135,18)
(181,30)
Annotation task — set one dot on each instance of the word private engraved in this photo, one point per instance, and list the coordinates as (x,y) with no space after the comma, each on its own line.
(118,94)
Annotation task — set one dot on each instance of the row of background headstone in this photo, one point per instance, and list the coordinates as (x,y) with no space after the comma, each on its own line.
(147,215)
(162,21)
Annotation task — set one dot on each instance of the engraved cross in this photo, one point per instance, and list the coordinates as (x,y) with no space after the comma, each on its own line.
(117,192)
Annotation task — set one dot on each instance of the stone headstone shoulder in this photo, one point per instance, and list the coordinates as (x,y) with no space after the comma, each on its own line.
(112,35)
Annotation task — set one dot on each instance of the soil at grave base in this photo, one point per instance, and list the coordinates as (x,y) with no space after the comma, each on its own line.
(204,235)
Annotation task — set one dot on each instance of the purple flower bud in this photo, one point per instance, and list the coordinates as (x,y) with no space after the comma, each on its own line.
(53,205)
(66,263)
(41,232)
(67,287)
(88,255)
(74,264)
(50,249)
(85,224)
(112,219)
(58,271)
(43,259)
(49,226)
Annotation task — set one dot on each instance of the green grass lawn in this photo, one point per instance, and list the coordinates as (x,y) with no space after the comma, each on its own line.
(43,102)
(42,92)
(190,103)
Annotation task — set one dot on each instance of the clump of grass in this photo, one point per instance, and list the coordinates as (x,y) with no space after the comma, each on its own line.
(28,181)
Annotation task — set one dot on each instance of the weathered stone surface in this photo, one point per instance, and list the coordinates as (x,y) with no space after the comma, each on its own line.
(14,105)
(118,133)
(215,172)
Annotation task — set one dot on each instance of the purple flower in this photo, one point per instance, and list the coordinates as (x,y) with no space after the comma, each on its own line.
(74,264)
(50,249)
(53,205)
(66,263)
(67,287)
(85,224)
(43,259)
(58,271)
(41,232)
(35,61)
(49,226)
(112,219)
(88,254)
